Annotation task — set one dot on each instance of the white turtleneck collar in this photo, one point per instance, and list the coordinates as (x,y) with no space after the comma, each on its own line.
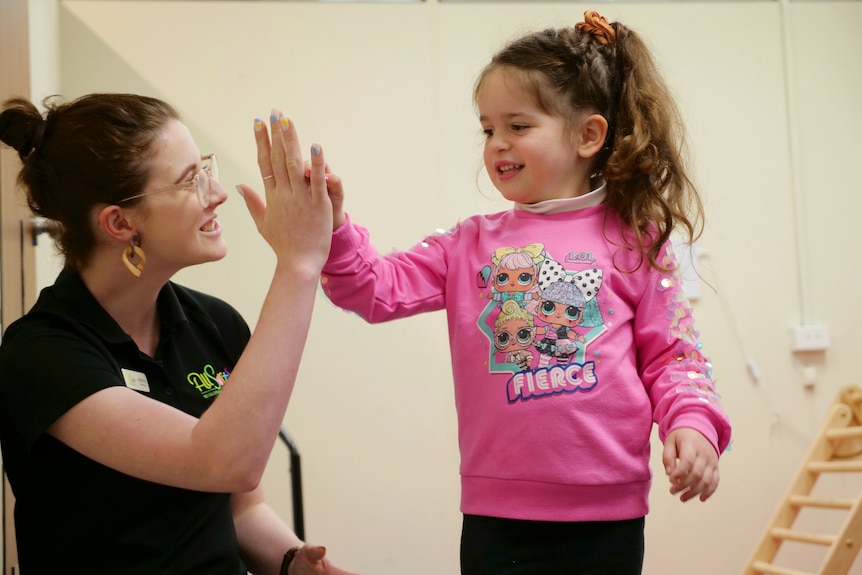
(593,198)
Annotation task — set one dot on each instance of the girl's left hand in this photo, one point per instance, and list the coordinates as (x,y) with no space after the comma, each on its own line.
(691,464)
(335,188)
(311,560)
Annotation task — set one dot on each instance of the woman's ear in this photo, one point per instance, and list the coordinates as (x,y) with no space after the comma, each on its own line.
(113,221)
(591,135)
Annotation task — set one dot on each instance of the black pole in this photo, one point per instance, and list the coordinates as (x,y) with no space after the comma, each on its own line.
(295,484)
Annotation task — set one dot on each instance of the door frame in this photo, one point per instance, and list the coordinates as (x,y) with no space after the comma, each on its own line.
(17,255)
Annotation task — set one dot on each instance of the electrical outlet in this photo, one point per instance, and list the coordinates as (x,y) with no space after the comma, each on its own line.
(809,338)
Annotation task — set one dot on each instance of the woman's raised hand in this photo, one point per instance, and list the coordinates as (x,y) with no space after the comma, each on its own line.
(296,218)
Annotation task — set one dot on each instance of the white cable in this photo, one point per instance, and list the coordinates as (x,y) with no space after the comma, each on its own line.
(753,371)
(795,177)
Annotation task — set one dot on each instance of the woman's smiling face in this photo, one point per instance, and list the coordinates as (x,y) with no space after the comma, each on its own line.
(176,231)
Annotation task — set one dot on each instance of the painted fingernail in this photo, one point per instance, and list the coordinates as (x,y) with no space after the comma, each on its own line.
(273,116)
(258,125)
(285,123)
(315,149)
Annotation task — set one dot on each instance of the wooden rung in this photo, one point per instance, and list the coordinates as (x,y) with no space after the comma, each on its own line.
(837,449)
(823,502)
(835,466)
(769,569)
(803,537)
(844,432)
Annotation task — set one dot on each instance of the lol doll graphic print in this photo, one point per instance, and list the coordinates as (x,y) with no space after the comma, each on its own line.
(540,319)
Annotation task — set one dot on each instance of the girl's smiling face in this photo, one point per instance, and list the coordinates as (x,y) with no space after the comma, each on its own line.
(529,154)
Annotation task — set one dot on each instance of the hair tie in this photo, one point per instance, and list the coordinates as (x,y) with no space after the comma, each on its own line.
(33,141)
(39,133)
(598,26)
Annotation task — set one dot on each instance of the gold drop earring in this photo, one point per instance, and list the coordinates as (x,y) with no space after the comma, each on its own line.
(134,252)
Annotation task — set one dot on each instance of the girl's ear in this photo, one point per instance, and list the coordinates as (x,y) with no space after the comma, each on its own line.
(591,135)
(113,221)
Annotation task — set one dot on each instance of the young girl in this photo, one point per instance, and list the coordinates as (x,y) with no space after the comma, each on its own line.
(583,137)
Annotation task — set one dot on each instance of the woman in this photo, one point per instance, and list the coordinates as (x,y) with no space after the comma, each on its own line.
(120,458)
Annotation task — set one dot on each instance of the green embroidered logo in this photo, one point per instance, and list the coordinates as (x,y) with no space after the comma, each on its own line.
(208,382)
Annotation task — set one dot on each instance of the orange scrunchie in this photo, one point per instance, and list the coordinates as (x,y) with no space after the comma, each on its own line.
(598,26)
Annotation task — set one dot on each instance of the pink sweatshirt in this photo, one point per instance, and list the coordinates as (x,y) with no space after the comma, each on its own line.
(561,362)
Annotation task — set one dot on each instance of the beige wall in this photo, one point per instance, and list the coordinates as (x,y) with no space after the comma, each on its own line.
(386,90)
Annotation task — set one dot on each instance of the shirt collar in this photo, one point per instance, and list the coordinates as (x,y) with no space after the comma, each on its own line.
(594,198)
(72,299)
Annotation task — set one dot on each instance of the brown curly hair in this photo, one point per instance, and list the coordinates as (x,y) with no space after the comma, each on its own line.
(569,70)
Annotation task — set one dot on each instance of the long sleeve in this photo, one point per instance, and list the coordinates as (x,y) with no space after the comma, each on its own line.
(674,370)
(381,288)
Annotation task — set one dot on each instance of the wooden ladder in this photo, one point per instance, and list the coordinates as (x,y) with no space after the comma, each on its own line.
(834,451)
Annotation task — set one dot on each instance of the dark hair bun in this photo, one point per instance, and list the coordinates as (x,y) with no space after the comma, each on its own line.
(21,126)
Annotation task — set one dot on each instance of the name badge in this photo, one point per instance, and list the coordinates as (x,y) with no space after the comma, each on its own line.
(136,380)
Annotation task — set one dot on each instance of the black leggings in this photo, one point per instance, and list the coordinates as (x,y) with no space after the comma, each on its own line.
(493,546)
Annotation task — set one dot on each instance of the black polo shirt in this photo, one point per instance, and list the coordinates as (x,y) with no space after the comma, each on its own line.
(73,515)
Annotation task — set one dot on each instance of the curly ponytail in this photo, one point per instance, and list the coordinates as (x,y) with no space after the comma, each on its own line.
(647,180)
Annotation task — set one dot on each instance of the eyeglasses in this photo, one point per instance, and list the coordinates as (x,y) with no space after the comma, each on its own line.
(202,183)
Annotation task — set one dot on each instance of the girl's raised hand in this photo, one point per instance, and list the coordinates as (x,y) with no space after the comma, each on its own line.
(336,194)
(296,218)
